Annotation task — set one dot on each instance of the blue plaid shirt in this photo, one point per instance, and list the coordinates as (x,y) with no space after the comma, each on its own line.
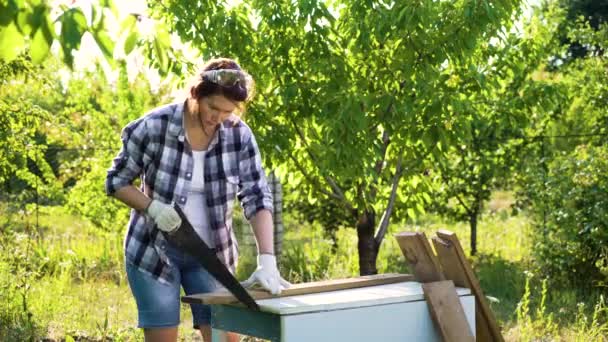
(155,150)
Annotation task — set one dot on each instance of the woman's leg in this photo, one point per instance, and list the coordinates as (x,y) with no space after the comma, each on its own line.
(206,334)
(158,304)
(160,334)
(195,279)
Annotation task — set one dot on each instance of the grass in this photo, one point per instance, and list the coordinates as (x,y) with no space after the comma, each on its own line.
(62,279)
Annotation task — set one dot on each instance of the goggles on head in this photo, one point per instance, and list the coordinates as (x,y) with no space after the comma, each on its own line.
(227,77)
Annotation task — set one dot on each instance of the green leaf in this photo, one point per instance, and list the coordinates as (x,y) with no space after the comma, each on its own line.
(131,41)
(163,37)
(105,43)
(12,42)
(25,23)
(129,23)
(411,213)
(41,44)
(8,11)
(161,54)
(72,28)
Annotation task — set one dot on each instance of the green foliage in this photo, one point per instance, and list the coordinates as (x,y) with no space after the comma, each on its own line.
(565,172)
(535,322)
(353,96)
(16,277)
(590,13)
(30,25)
(95,113)
(583,112)
(23,115)
(310,256)
(570,245)
(538,325)
(502,98)
(57,140)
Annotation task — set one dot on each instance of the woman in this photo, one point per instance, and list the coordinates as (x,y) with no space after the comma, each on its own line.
(199,155)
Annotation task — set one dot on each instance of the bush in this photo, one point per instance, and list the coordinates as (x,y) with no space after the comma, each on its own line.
(571,211)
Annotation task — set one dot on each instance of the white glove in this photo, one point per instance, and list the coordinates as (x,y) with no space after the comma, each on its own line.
(165,217)
(267,275)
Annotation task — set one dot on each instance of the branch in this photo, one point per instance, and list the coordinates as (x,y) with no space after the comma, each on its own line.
(335,188)
(318,186)
(373,189)
(383,226)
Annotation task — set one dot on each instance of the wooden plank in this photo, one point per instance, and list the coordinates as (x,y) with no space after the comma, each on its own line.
(418,253)
(456,267)
(447,311)
(450,262)
(225,297)
(454,271)
(378,295)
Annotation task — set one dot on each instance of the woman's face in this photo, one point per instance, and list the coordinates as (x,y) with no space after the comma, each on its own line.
(214,109)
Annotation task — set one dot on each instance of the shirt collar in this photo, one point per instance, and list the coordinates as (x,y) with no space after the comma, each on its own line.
(176,126)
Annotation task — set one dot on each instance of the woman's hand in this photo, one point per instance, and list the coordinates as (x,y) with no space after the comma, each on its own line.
(267,275)
(165,217)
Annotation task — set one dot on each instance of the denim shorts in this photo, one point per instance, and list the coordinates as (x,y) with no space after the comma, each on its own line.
(158,304)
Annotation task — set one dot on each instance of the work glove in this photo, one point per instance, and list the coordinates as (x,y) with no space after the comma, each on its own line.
(267,275)
(165,217)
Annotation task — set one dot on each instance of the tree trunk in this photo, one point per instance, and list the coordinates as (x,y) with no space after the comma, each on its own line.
(473,223)
(367,245)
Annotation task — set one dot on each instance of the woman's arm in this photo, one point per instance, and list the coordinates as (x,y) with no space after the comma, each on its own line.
(128,165)
(263,231)
(133,197)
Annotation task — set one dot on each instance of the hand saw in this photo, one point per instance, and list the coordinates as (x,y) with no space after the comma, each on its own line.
(187,240)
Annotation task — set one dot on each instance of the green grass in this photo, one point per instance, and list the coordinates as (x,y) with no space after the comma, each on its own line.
(60,277)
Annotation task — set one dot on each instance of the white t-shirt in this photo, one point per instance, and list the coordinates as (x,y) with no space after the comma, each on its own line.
(196,206)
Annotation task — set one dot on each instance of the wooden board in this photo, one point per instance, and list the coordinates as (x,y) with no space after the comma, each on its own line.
(418,253)
(410,291)
(447,311)
(225,297)
(456,268)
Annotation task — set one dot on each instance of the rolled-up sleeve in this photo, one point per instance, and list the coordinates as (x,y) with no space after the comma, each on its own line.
(254,193)
(129,162)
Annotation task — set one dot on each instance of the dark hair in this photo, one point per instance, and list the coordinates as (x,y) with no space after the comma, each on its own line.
(203,87)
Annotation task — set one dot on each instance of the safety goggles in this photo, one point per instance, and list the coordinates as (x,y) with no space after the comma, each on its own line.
(227,77)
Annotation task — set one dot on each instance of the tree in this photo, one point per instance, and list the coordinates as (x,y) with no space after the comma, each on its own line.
(503,96)
(581,12)
(22,161)
(352,96)
(565,178)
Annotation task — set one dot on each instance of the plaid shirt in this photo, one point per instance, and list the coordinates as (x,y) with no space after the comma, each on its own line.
(155,149)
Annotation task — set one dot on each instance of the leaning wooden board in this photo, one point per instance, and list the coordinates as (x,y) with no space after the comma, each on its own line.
(419,255)
(225,297)
(447,310)
(456,268)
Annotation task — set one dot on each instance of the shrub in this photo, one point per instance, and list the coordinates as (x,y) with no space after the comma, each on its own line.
(571,210)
